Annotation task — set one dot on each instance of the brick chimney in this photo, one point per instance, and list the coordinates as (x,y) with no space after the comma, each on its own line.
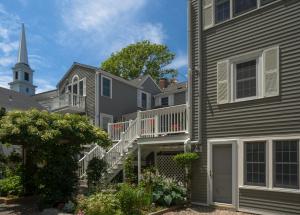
(163,83)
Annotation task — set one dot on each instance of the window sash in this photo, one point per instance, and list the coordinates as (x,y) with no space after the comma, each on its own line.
(220,5)
(237,3)
(81,87)
(236,81)
(144,100)
(287,164)
(165,101)
(106,87)
(256,164)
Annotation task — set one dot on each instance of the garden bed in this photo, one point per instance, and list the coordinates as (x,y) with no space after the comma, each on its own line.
(17,200)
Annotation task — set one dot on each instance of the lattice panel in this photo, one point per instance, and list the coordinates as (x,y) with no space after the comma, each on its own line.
(167,167)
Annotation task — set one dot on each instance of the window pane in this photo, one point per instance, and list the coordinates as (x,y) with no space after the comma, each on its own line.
(255,163)
(81,88)
(106,87)
(246,79)
(286,163)
(264,2)
(165,101)
(144,100)
(222,10)
(242,6)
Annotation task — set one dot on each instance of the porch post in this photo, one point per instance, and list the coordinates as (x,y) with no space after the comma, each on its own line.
(138,123)
(139,163)
(156,124)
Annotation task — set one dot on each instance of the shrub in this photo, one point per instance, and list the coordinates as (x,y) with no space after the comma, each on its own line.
(99,204)
(133,199)
(95,170)
(165,191)
(185,159)
(130,175)
(11,186)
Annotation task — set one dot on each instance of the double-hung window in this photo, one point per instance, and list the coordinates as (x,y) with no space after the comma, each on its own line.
(286,163)
(242,6)
(144,100)
(255,163)
(165,101)
(222,10)
(249,76)
(245,79)
(106,86)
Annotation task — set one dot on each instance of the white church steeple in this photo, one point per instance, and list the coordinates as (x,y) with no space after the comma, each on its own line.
(23,56)
(22,73)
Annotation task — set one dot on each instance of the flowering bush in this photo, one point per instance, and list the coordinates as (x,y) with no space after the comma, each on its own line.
(165,191)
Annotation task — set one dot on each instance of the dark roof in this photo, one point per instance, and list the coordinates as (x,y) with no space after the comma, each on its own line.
(45,95)
(11,100)
(175,87)
(139,80)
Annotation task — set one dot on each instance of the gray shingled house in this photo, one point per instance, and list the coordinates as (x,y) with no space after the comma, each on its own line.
(245,95)
(142,117)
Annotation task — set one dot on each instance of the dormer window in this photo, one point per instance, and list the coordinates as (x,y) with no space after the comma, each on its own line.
(165,101)
(26,76)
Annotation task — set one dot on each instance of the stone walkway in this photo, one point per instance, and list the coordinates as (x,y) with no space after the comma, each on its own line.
(204,210)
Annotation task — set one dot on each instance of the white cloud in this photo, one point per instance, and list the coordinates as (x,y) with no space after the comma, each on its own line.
(43,85)
(179,62)
(104,26)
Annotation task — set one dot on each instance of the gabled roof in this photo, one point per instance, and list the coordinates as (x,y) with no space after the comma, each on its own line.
(71,69)
(12,100)
(174,88)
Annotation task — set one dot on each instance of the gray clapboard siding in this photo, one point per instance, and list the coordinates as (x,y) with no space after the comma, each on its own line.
(124,99)
(270,201)
(276,24)
(90,75)
(180,98)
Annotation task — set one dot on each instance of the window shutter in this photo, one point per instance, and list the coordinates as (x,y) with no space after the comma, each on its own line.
(223,95)
(84,86)
(157,101)
(148,101)
(271,72)
(207,13)
(139,98)
(171,100)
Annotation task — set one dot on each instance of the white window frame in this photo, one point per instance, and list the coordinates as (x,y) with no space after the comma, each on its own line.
(231,17)
(110,79)
(269,164)
(259,76)
(104,115)
(148,99)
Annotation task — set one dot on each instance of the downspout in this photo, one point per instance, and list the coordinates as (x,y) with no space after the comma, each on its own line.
(197,72)
(200,77)
(190,70)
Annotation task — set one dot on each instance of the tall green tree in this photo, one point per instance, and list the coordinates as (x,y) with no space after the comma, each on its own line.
(141,58)
(51,143)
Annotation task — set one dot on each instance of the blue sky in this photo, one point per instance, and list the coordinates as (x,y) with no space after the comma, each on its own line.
(60,32)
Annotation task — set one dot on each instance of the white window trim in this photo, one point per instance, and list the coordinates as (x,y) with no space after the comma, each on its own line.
(102,115)
(110,79)
(259,75)
(148,99)
(269,165)
(259,6)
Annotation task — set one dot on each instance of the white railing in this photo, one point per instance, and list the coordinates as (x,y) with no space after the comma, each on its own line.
(116,129)
(114,155)
(155,122)
(66,100)
(97,152)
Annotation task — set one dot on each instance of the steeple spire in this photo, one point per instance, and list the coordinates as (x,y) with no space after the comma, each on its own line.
(23,56)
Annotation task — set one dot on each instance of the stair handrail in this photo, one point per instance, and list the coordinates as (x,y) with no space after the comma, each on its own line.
(127,138)
(83,162)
